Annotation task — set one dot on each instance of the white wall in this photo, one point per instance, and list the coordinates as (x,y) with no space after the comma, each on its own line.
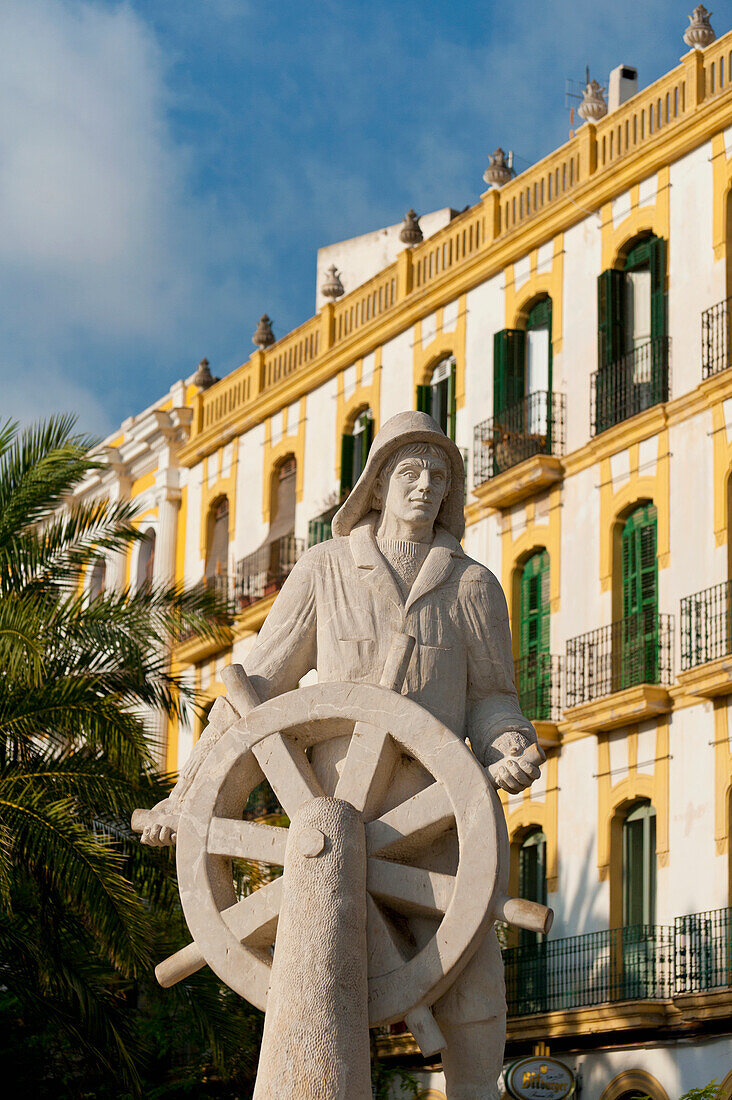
(360,258)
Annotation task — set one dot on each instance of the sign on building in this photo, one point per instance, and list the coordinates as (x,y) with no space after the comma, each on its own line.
(539,1079)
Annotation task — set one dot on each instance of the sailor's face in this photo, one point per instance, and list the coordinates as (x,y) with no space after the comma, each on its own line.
(416,489)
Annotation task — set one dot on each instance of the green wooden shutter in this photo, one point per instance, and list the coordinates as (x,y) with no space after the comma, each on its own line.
(657,264)
(610,326)
(424,399)
(534,624)
(346,464)
(368,437)
(451,406)
(640,598)
(508,369)
(639,866)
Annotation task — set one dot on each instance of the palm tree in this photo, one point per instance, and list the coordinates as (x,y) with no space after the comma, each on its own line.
(83,908)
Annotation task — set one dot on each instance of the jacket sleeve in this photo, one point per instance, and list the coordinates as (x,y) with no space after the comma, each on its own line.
(286,648)
(493,707)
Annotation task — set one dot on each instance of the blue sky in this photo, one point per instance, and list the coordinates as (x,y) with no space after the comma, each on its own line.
(168,168)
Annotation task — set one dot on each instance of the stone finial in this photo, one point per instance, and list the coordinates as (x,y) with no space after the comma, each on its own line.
(203,377)
(332,287)
(410,232)
(700,32)
(498,171)
(263,335)
(593,106)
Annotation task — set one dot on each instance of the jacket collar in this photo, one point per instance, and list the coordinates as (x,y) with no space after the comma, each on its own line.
(436,567)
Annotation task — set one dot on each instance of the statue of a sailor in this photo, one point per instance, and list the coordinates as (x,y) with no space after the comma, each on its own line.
(395,565)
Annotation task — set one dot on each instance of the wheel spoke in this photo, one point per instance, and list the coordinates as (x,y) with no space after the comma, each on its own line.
(247,840)
(385,953)
(367,768)
(253,920)
(409,890)
(289,772)
(411,824)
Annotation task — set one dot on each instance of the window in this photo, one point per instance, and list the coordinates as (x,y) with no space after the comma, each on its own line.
(534,665)
(632,344)
(522,365)
(438,397)
(355,447)
(532,876)
(145,561)
(640,598)
(217,550)
(639,865)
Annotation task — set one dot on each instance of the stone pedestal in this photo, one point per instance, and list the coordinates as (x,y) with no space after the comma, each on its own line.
(316,1033)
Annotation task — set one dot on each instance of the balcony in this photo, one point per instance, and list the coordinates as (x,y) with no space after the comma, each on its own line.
(263,573)
(619,674)
(630,385)
(539,686)
(715,334)
(617,964)
(637,963)
(530,435)
(706,641)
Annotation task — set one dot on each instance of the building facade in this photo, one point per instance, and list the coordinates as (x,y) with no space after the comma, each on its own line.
(571,333)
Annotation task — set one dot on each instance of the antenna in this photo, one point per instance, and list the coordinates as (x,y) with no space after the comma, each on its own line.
(574,95)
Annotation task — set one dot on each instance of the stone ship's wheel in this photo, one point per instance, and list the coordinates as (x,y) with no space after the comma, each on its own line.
(272,741)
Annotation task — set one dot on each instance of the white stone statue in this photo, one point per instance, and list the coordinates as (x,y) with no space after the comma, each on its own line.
(391,600)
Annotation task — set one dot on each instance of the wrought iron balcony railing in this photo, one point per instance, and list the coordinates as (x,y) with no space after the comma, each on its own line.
(635,650)
(715,337)
(319,528)
(539,686)
(706,625)
(222,586)
(634,382)
(640,962)
(533,426)
(616,964)
(703,951)
(265,571)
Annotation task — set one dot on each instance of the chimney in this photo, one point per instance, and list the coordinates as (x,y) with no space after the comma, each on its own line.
(622,85)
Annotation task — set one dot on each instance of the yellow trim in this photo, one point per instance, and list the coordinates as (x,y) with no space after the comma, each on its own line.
(363,397)
(550,282)
(722,777)
(637,487)
(634,1079)
(532,536)
(290,444)
(173,726)
(140,484)
(439,344)
(655,217)
(621,708)
(532,813)
(221,486)
(613,797)
(722,458)
(722,180)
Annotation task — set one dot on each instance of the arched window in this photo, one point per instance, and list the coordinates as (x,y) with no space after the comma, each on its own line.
(632,337)
(97,578)
(355,446)
(217,551)
(145,561)
(534,664)
(639,648)
(532,874)
(438,397)
(639,865)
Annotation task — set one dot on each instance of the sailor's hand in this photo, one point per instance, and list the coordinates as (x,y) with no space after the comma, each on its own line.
(160,836)
(513,760)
